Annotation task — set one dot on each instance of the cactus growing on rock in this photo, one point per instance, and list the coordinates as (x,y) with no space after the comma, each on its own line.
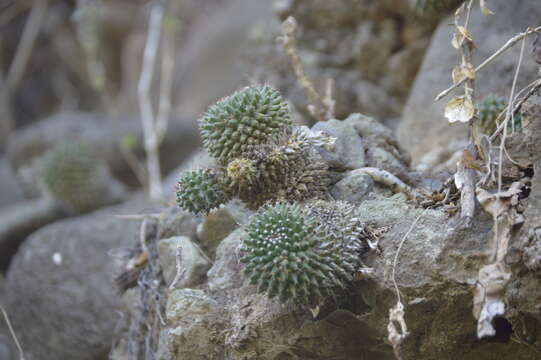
(286,256)
(303,254)
(261,156)
(239,122)
(199,191)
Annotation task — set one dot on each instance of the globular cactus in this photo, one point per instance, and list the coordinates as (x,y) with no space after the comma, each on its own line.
(340,220)
(199,191)
(73,175)
(237,123)
(488,110)
(289,253)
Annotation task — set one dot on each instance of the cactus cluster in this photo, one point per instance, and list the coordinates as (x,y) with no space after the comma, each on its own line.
(261,156)
(198,191)
(238,123)
(301,254)
(72,175)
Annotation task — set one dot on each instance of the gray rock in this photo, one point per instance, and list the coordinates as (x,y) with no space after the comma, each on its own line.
(372,49)
(103,136)
(178,222)
(11,191)
(348,151)
(59,289)
(194,264)
(20,220)
(214,228)
(190,313)
(423,127)
(353,187)
(224,274)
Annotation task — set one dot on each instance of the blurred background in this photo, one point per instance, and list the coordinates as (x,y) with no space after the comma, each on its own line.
(114,88)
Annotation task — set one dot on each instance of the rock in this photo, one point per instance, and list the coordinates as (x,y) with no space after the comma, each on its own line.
(372,50)
(103,136)
(190,312)
(59,289)
(214,228)
(348,151)
(423,127)
(20,220)
(194,264)
(208,69)
(178,222)
(382,150)
(353,187)
(11,190)
(224,274)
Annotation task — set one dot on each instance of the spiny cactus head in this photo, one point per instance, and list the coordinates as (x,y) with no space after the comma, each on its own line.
(199,191)
(488,110)
(235,124)
(241,171)
(70,172)
(286,256)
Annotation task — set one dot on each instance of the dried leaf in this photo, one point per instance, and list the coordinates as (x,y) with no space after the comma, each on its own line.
(396,336)
(460,109)
(488,297)
(497,205)
(464,32)
(456,41)
(484,9)
(463,72)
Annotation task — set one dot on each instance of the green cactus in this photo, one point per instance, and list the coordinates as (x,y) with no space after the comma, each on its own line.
(200,191)
(291,252)
(237,123)
(488,110)
(72,175)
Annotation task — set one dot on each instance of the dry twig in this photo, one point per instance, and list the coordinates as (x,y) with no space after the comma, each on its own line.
(396,313)
(491,58)
(150,134)
(321,108)
(20,62)
(12,332)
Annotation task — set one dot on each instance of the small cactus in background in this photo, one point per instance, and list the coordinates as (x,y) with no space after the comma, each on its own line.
(286,256)
(73,175)
(199,191)
(261,156)
(237,123)
(488,110)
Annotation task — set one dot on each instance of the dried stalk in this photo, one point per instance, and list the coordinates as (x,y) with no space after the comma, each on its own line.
(491,58)
(20,62)
(396,313)
(505,122)
(12,332)
(150,134)
(321,108)
(166,76)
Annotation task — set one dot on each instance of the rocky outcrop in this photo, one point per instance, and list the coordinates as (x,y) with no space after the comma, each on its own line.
(372,49)
(423,124)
